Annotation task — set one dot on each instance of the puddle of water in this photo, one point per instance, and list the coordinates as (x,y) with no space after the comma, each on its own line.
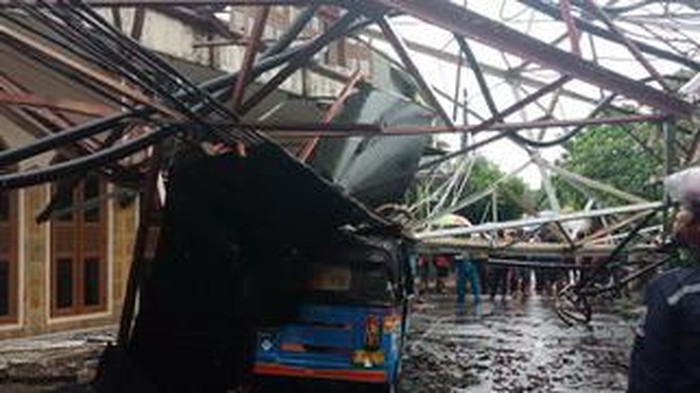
(516,347)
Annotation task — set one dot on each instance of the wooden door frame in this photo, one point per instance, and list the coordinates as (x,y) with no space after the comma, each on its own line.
(78,256)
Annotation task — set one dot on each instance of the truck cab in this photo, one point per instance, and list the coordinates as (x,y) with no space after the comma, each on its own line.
(352,321)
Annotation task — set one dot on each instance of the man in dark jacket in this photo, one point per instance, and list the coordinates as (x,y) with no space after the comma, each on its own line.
(666,354)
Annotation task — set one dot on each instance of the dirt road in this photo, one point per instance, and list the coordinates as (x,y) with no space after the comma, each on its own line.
(517,347)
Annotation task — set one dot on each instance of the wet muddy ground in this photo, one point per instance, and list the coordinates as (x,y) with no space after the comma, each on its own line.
(52,362)
(513,347)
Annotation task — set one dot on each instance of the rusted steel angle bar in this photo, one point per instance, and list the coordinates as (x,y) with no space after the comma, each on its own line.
(300,59)
(487,69)
(548,7)
(132,3)
(631,46)
(92,74)
(345,130)
(137,270)
(478,73)
(489,227)
(465,22)
(332,112)
(61,104)
(571,29)
(401,49)
(249,57)
(612,228)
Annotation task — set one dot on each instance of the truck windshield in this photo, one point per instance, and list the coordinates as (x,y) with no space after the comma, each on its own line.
(354,282)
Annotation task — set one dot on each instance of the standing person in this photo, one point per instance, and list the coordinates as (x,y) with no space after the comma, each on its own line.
(666,353)
(498,275)
(467,271)
(524,274)
(423,273)
(498,281)
(442,266)
(481,258)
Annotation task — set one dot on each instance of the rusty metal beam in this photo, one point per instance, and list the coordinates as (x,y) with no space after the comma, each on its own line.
(37,120)
(631,46)
(486,125)
(95,76)
(332,112)
(137,269)
(512,74)
(189,3)
(610,229)
(571,29)
(292,32)
(61,104)
(500,116)
(249,57)
(478,74)
(548,7)
(459,20)
(300,59)
(401,49)
(345,130)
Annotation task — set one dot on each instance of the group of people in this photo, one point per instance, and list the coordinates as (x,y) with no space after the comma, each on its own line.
(473,271)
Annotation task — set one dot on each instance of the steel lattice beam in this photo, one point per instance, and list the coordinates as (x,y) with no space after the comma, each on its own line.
(190,3)
(462,21)
(549,8)
(495,226)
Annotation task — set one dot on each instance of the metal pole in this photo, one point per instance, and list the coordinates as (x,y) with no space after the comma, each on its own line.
(249,57)
(292,31)
(669,134)
(539,220)
(494,205)
(402,50)
(631,46)
(299,59)
(593,184)
(137,269)
(472,198)
(462,21)
(332,112)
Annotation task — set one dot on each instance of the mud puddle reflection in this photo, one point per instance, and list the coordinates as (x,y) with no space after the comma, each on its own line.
(517,347)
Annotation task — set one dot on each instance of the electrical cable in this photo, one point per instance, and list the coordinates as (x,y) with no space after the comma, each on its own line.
(218,85)
(85,163)
(569,135)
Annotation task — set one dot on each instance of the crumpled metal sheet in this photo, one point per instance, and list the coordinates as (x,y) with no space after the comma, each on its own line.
(375,170)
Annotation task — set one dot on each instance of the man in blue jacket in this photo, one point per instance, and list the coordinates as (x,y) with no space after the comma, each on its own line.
(666,354)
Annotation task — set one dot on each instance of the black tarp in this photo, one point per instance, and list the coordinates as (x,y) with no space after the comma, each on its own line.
(235,236)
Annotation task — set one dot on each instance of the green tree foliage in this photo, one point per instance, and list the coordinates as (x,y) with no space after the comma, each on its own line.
(484,174)
(512,194)
(630,160)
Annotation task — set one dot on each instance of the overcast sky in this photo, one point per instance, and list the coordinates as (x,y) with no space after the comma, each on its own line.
(443,75)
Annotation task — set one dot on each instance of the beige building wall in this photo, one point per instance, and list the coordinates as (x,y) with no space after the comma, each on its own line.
(169,35)
(33,261)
